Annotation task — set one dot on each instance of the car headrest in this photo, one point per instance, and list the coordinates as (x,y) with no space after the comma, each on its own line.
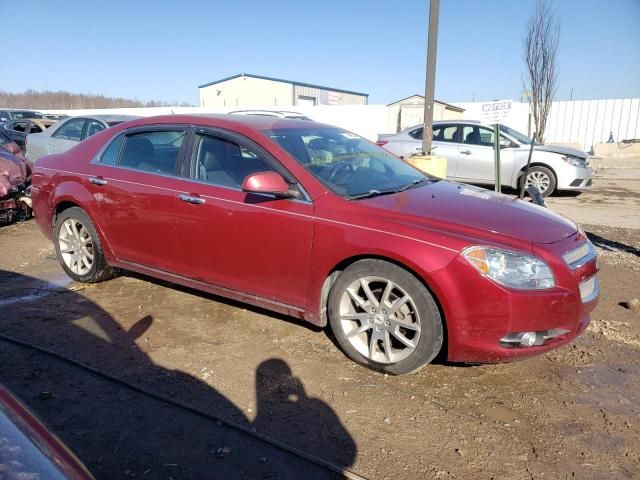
(473,137)
(210,161)
(319,144)
(215,154)
(137,149)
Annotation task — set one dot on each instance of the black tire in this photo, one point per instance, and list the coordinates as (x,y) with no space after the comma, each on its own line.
(542,172)
(431,327)
(99,270)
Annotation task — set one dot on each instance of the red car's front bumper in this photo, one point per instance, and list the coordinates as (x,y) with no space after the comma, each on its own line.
(479,313)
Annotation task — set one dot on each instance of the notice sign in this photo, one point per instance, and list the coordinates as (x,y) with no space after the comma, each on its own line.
(495,112)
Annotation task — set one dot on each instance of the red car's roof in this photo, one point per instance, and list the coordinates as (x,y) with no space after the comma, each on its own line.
(255,122)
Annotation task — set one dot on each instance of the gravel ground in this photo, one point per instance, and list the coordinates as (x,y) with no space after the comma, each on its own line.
(573,413)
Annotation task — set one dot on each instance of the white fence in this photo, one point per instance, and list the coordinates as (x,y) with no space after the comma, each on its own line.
(581,122)
(588,122)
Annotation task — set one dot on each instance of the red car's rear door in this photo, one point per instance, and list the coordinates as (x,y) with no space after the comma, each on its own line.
(133,184)
(246,242)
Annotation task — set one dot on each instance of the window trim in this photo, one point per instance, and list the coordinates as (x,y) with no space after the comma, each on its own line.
(97,160)
(412,133)
(177,172)
(456,135)
(242,141)
(483,127)
(185,155)
(86,127)
(27,126)
(33,125)
(53,134)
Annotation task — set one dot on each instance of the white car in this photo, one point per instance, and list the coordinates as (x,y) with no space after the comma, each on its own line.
(69,132)
(468,147)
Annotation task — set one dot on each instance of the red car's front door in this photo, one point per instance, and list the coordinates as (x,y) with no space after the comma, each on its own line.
(246,242)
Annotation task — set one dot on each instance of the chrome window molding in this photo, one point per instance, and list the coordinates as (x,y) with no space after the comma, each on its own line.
(97,160)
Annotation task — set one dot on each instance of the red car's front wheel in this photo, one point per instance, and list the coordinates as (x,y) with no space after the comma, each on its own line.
(384,318)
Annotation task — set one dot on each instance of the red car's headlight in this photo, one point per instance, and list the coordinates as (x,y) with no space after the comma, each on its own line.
(511,269)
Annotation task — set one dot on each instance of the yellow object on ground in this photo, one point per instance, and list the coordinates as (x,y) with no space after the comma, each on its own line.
(436,166)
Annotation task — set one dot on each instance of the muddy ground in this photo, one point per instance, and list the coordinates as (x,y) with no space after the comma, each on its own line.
(573,413)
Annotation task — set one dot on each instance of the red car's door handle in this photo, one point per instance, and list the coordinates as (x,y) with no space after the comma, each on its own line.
(191,199)
(97,180)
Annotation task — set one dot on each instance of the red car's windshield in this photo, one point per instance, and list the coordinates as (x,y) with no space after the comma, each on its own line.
(348,164)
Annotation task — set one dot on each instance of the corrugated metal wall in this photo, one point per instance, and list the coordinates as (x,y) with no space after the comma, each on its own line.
(328,97)
(588,122)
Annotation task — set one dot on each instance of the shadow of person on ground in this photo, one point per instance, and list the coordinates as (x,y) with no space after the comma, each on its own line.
(121,433)
(286,412)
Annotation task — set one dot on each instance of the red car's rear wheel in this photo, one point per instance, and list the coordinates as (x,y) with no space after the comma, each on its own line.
(78,247)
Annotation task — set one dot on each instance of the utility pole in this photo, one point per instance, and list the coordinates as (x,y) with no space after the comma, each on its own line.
(496,156)
(430,84)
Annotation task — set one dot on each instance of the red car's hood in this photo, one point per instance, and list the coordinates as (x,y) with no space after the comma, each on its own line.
(448,203)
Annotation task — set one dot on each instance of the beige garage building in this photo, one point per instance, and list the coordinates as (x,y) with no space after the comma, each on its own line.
(246,90)
(409,111)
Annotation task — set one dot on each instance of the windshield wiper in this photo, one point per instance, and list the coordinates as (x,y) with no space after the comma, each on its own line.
(369,193)
(413,183)
(377,193)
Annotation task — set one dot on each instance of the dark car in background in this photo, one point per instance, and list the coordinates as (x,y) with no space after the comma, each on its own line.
(55,116)
(8,114)
(9,145)
(15,182)
(17,130)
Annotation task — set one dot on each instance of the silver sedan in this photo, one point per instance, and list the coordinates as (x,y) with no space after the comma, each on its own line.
(468,147)
(69,132)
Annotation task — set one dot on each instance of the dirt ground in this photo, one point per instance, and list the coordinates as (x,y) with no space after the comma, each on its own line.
(573,413)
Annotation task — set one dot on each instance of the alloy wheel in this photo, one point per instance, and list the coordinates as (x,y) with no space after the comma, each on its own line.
(380,319)
(540,180)
(76,246)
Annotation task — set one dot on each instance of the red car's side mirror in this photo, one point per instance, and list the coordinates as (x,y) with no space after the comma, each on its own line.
(270,183)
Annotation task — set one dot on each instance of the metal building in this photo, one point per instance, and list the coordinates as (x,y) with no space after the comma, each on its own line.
(246,90)
(409,111)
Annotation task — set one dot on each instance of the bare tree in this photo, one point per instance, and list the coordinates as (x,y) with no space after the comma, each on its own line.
(48,100)
(540,44)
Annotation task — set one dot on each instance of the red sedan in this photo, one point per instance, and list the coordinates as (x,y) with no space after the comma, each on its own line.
(320,224)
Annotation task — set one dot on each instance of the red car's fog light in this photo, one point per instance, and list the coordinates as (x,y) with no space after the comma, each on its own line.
(530,339)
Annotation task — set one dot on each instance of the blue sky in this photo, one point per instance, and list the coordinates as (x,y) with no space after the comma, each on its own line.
(162,50)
